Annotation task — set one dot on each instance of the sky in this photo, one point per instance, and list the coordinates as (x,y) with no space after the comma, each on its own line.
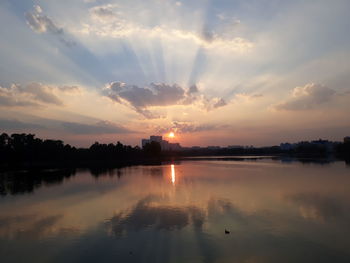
(219,72)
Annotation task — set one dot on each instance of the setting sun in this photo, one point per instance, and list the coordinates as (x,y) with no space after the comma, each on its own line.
(171,135)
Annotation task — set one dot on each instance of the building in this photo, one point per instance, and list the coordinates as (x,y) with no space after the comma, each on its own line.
(347,139)
(164,145)
(154,138)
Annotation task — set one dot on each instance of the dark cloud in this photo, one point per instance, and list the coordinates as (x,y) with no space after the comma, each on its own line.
(33,94)
(17,125)
(193,89)
(157,94)
(102,127)
(41,23)
(308,97)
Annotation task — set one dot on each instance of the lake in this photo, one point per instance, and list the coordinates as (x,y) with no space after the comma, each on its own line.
(274,211)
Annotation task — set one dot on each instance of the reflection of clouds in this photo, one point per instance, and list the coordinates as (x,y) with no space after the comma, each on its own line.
(319,207)
(253,235)
(147,214)
(31,227)
(218,208)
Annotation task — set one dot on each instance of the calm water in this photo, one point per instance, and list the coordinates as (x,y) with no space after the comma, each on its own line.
(275,212)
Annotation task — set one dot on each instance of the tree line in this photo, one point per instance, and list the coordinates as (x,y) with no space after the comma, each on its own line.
(26,147)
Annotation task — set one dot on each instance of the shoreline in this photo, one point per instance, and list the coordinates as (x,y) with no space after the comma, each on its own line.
(76,164)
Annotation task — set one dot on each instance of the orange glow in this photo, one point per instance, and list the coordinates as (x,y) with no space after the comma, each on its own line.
(171,135)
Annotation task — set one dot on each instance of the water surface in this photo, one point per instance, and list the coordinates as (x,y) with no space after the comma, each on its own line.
(275,212)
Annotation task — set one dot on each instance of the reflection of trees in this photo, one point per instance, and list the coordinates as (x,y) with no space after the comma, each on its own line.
(27,181)
(98,171)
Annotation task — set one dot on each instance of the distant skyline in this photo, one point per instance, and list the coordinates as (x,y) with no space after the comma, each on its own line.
(218,72)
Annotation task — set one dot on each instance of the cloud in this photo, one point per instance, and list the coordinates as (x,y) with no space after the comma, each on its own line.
(41,93)
(220,103)
(212,104)
(34,94)
(110,22)
(101,127)
(69,89)
(308,97)
(188,127)
(41,23)
(17,125)
(103,12)
(30,95)
(158,94)
(193,89)
(9,99)
(248,97)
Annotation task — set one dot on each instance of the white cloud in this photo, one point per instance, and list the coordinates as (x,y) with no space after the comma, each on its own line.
(38,9)
(104,13)
(108,21)
(41,23)
(307,97)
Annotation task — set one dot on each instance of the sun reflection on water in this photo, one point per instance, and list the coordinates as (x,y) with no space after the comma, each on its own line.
(173,176)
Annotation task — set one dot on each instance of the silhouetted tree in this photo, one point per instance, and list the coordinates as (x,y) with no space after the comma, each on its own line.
(152,149)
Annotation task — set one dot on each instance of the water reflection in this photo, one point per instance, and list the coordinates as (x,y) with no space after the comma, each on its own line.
(320,207)
(276,212)
(147,213)
(20,182)
(173,176)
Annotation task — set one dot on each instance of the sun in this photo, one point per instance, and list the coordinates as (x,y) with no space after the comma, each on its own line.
(171,135)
